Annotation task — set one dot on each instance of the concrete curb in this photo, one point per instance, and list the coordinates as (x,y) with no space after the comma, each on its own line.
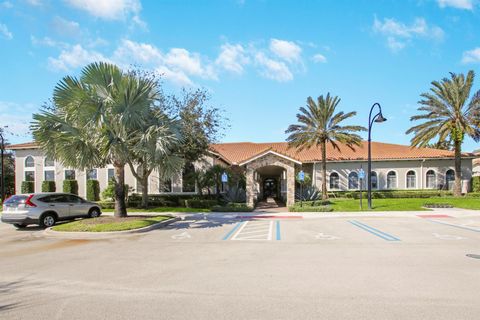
(103,235)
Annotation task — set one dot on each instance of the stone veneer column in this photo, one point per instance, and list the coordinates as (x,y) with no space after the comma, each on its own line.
(290,186)
(250,188)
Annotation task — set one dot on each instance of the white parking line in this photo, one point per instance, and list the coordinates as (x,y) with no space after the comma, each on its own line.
(255,230)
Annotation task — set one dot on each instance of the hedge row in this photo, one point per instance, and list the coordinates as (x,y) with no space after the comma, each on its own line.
(233,207)
(28,187)
(70,186)
(297,208)
(48,186)
(476,184)
(93,190)
(387,194)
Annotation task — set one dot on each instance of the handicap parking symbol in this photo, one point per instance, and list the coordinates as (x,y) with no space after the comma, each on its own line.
(323,236)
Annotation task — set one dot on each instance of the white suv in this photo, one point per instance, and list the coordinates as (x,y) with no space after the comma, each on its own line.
(45,209)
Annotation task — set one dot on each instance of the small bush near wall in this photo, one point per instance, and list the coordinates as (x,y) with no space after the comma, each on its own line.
(232,207)
(70,186)
(93,190)
(388,194)
(200,203)
(28,187)
(298,208)
(167,200)
(48,186)
(106,204)
(476,184)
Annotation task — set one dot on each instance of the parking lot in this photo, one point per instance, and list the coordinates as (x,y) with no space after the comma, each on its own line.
(283,266)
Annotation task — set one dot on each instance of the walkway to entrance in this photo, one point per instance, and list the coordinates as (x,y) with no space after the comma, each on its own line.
(271,205)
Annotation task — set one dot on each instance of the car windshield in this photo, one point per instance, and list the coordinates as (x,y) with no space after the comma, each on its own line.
(15,200)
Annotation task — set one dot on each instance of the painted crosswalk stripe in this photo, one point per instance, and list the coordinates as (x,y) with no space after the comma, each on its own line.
(372,230)
(232,231)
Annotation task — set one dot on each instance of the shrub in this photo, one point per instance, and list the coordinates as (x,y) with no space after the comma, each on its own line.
(235,194)
(438,205)
(476,184)
(106,204)
(390,194)
(473,195)
(201,204)
(93,190)
(307,193)
(48,186)
(28,187)
(70,186)
(168,200)
(297,208)
(232,207)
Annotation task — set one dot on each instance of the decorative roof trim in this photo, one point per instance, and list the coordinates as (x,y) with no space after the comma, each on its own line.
(264,153)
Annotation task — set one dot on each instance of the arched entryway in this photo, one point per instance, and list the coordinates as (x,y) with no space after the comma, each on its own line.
(270,176)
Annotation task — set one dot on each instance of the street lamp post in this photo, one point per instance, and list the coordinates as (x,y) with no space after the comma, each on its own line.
(2,147)
(376,118)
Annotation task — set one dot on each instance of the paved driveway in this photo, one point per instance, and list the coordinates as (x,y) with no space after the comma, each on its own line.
(396,266)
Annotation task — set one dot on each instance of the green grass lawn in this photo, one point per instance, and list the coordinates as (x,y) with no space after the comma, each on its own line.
(162,209)
(106,224)
(406,204)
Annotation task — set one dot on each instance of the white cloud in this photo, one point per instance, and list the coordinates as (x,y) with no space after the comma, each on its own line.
(74,57)
(131,51)
(190,63)
(177,77)
(319,58)
(14,116)
(66,27)
(286,50)
(459,4)
(108,9)
(471,56)
(46,41)
(5,33)
(398,34)
(232,58)
(273,69)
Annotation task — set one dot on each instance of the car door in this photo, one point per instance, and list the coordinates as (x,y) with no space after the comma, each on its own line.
(78,206)
(59,203)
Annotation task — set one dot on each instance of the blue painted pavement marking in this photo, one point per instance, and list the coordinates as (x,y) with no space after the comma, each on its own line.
(278,231)
(376,232)
(233,230)
(454,225)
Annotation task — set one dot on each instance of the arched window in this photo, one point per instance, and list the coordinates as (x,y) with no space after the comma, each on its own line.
(334,181)
(431,179)
(29,162)
(374,179)
(391,180)
(48,162)
(353,180)
(411,179)
(450,178)
(188,178)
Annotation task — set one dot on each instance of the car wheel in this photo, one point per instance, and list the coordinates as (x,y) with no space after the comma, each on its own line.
(48,220)
(94,213)
(19,226)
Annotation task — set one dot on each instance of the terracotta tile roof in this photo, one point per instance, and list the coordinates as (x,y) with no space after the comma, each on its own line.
(239,152)
(19,146)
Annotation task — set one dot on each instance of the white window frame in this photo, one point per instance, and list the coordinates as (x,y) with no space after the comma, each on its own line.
(329,179)
(445,178)
(416,179)
(109,167)
(396,180)
(376,175)
(358,180)
(435,177)
(69,169)
(29,169)
(48,168)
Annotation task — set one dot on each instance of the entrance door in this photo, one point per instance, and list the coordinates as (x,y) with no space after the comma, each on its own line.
(270,188)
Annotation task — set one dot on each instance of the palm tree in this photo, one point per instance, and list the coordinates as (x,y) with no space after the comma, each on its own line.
(152,147)
(448,117)
(318,124)
(92,118)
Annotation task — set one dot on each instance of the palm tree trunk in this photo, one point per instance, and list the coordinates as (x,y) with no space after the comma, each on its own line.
(457,188)
(323,148)
(120,207)
(144,183)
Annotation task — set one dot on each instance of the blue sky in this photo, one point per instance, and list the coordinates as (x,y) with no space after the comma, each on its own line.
(259,59)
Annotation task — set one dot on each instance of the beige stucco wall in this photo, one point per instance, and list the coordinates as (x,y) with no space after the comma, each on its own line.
(401,167)
(80,175)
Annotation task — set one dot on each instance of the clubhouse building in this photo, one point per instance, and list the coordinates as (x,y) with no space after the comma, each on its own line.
(271,168)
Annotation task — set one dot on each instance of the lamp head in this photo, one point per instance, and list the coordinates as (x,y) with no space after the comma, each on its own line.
(380,118)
